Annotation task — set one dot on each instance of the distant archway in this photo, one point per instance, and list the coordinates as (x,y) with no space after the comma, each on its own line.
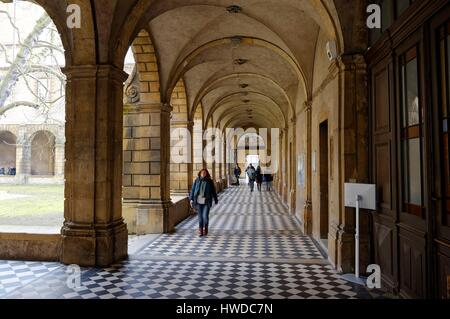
(7,151)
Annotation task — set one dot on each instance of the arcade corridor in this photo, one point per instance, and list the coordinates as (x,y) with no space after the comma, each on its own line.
(255,250)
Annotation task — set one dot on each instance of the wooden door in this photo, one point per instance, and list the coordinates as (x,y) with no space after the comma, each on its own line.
(440,64)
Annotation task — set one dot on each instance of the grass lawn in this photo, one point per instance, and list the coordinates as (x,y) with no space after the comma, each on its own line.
(36,205)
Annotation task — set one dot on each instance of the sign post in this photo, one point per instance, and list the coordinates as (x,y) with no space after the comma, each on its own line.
(359,196)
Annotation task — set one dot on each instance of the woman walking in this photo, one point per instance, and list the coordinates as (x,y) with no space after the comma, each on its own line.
(259,178)
(202,195)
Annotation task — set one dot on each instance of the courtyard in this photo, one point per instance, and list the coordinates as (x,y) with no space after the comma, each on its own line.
(31,206)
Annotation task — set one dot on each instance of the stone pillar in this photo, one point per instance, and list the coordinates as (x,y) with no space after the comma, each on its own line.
(180,178)
(94,232)
(353,158)
(280,178)
(307,215)
(218,158)
(225,163)
(285,158)
(23,157)
(59,161)
(147,168)
(197,147)
(190,164)
(293,169)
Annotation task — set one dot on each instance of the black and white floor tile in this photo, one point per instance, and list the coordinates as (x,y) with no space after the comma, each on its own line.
(255,250)
(14,274)
(237,246)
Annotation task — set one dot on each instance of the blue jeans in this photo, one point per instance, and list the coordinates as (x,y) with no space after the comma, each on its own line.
(252,185)
(203,215)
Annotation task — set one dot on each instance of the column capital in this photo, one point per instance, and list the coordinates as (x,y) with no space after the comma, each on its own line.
(94,71)
(351,61)
(166,108)
(178,124)
(307,105)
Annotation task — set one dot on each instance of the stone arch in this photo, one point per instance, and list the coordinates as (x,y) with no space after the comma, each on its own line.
(79,43)
(147,68)
(7,151)
(198,139)
(181,131)
(324,12)
(184,63)
(43,153)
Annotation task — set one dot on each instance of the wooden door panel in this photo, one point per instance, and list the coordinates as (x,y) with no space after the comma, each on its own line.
(444,270)
(383,176)
(385,242)
(382,102)
(413,265)
(384,219)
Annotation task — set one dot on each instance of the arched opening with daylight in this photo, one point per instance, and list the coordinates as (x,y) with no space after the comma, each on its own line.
(8,153)
(33,107)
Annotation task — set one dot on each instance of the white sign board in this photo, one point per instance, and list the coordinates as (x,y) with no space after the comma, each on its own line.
(366,192)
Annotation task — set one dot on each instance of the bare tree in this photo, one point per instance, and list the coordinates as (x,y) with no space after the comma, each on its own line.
(35,61)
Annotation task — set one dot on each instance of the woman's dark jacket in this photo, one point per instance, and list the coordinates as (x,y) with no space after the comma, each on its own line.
(210,192)
(259,176)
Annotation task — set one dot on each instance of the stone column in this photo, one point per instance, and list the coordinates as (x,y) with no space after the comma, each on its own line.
(307,215)
(180,178)
(353,136)
(225,163)
(285,158)
(147,168)
(218,158)
(190,164)
(23,157)
(94,232)
(59,161)
(197,147)
(280,179)
(293,169)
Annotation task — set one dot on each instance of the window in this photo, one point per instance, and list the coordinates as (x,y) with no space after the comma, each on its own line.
(411,134)
(444,50)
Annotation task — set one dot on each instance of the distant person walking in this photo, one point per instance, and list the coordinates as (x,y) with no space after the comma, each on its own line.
(268,179)
(202,195)
(259,178)
(251,173)
(237,174)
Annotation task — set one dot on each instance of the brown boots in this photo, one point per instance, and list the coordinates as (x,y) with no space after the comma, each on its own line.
(203,231)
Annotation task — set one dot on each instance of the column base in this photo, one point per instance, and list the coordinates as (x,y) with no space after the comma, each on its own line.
(147,218)
(94,245)
(342,249)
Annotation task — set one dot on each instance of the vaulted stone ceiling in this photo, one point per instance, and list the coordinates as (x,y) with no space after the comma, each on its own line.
(246,62)
(200,41)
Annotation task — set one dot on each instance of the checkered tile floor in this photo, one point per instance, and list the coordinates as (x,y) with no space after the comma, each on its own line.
(14,274)
(255,250)
(235,245)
